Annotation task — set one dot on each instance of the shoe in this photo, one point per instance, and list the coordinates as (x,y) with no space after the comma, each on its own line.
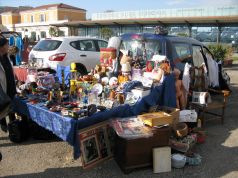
(4,128)
(0,156)
(3,124)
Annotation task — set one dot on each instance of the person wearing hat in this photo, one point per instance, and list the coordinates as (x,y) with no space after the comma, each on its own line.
(7,79)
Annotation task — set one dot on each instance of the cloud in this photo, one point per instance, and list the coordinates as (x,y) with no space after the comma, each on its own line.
(175,2)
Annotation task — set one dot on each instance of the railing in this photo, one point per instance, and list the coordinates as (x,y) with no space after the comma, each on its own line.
(160,13)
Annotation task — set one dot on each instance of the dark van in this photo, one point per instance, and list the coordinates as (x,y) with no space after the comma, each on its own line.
(179,50)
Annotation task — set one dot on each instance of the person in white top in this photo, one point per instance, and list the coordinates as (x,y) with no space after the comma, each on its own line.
(7,79)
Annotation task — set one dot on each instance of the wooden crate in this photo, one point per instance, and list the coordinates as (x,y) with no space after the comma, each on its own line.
(137,153)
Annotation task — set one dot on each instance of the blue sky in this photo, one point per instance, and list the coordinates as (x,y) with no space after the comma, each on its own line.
(93,6)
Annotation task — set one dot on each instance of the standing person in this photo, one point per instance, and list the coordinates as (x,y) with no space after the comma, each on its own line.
(12,51)
(26,50)
(7,79)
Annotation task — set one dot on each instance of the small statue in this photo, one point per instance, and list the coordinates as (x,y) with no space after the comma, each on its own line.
(180,91)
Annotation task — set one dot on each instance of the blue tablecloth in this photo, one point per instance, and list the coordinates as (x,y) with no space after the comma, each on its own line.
(66,128)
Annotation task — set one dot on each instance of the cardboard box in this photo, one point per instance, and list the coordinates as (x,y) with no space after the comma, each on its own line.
(174,112)
(157,118)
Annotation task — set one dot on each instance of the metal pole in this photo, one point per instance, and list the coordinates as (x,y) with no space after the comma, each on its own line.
(219,34)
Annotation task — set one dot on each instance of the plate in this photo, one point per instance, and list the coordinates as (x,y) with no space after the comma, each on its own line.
(105,80)
(97,88)
(113,81)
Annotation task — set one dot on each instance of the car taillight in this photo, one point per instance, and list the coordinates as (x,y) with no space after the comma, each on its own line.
(57,57)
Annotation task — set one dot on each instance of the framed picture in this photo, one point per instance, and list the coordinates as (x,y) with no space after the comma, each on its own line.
(96,144)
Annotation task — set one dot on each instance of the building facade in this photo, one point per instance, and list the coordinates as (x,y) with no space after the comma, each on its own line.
(209,24)
(35,22)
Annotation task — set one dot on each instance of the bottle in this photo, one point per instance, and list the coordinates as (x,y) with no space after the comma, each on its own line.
(63,80)
(199,124)
(49,96)
(116,68)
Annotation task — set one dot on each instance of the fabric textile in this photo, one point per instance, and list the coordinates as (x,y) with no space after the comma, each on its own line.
(67,128)
(212,71)
(186,77)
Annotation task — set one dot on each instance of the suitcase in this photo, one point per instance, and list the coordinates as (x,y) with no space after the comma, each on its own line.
(137,153)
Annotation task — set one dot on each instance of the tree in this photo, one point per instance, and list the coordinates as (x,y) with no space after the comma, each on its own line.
(54,31)
(182,34)
(106,33)
(221,51)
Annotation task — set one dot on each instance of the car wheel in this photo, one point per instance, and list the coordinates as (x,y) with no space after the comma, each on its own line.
(81,69)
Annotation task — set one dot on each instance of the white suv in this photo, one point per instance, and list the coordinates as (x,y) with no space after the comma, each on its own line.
(85,52)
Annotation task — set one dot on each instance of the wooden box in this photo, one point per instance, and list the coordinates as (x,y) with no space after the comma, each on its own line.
(157,118)
(137,153)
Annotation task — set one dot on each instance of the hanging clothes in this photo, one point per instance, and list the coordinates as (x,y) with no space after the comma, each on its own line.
(19,44)
(213,71)
(11,41)
(186,76)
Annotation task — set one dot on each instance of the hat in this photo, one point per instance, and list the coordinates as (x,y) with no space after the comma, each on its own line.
(159,58)
(3,41)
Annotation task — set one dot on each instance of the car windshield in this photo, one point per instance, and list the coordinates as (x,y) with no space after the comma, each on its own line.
(47,45)
(145,48)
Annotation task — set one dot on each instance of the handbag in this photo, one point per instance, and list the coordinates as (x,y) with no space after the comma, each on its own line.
(5,103)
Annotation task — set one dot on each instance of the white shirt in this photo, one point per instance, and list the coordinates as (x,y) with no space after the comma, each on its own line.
(186,77)
(213,71)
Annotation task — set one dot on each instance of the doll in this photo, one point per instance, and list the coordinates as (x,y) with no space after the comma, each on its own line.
(180,91)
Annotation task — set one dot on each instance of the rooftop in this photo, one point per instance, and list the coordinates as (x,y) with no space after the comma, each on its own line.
(60,5)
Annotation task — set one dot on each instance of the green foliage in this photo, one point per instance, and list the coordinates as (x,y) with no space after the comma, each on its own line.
(54,31)
(182,34)
(106,33)
(235,58)
(221,52)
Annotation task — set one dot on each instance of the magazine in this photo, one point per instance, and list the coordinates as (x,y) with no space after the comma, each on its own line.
(131,128)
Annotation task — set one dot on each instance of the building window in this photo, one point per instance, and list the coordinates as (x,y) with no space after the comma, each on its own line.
(7,19)
(42,18)
(93,32)
(43,34)
(66,17)
(33,36)
(32,18)
(25,18)
(130,29)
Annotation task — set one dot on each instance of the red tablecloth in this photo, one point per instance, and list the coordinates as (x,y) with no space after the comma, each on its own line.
(20,73)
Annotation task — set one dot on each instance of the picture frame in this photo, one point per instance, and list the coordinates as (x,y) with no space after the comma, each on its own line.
(96,144)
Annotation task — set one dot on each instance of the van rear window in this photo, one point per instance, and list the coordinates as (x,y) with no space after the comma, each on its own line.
(47,45)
